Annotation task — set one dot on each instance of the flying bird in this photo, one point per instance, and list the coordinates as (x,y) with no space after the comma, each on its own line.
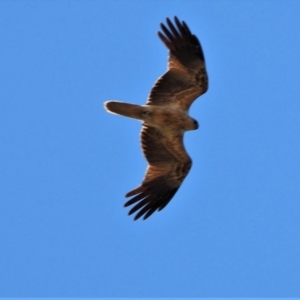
(165,119)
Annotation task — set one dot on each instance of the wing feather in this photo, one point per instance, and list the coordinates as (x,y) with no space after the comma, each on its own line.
(186,78)
(169,164)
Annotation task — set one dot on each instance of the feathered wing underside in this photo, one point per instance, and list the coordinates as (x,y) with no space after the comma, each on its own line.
(168,166)
(186,78)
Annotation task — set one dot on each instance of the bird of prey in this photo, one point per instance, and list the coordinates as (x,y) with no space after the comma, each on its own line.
(165,119)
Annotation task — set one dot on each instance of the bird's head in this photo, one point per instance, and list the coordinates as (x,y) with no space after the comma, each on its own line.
(191,124)
(196,124)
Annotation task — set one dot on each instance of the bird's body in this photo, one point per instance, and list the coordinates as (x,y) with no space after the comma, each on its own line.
(156,116)
(165,119)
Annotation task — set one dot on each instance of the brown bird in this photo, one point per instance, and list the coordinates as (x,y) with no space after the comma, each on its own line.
(165,119)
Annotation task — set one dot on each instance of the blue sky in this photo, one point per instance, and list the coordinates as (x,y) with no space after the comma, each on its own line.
(232,230)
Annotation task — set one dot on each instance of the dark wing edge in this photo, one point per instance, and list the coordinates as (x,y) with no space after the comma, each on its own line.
(186,78)
(181,42)
(168,166)
(151,196)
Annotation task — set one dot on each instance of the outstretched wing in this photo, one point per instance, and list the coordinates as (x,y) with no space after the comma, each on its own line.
(186,78)
(168,166)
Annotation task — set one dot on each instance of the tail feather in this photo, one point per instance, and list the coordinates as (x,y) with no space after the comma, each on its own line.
(125,109)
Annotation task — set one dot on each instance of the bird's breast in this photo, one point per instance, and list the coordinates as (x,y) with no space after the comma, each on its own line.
(167,118)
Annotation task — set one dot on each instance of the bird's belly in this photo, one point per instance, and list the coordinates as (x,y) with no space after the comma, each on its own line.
(168,119)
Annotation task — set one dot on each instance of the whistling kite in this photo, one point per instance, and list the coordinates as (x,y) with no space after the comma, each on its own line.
(165,119)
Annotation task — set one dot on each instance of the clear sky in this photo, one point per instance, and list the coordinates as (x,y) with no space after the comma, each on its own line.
(233,228)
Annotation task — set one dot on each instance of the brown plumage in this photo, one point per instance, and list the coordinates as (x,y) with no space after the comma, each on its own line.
(165,119)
